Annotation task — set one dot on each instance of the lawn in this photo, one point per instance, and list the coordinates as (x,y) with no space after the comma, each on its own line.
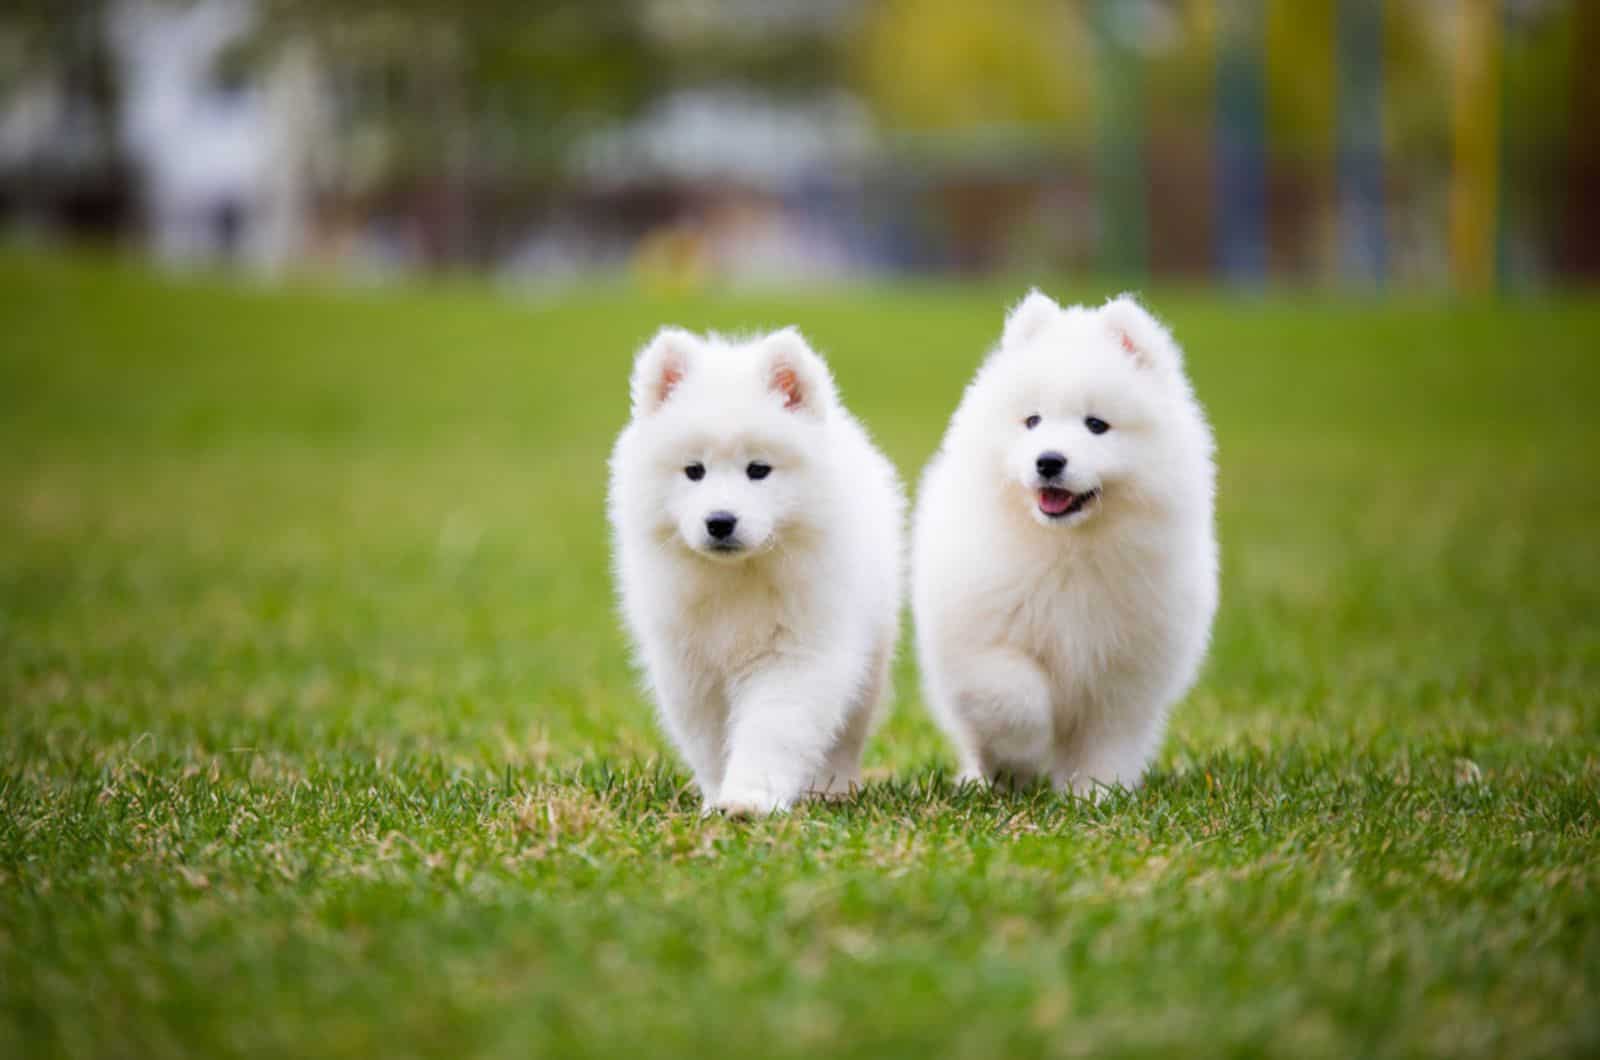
(318,735)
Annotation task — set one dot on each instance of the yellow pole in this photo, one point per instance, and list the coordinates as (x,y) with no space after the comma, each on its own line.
(1301,46)
(1474,183)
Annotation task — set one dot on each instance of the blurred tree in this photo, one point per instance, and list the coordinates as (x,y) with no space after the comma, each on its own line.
(1579,249)
(519,78)
(1123,189)
(1301,43)
(1363,229)
(1241,142)
(78,178)
(459,116)
(779,47)
(1475,174)
(1180,72)
(951,67)
(1181,66)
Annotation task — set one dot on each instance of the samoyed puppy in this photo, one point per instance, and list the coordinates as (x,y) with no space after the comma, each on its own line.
(758,539)
(1064,560)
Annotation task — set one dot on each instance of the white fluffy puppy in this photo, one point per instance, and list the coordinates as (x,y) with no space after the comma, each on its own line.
(758,537)
(1064,558)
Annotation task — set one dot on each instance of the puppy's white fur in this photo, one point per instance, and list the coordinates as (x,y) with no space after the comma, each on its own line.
(1054,646)
(768,655)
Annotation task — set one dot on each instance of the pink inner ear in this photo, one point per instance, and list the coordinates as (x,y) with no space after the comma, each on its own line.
(671,376)
(788,384)
(1127,343)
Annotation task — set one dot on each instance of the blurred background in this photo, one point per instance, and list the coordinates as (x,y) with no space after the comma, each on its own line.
(680,143)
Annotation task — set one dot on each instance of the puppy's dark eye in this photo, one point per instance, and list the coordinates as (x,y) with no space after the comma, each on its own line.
(1096,425)
(696,472)
(757,470)
(1031,422)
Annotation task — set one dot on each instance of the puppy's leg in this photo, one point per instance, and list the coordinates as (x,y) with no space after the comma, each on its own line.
(696,722)
(1002,700)
(1106,753)
(783,723)
(841,773)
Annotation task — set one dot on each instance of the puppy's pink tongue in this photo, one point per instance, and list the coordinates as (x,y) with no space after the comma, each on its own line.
(1053,501)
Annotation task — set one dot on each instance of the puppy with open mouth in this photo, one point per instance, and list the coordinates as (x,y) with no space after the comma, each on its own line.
(1064,556)
(758,545)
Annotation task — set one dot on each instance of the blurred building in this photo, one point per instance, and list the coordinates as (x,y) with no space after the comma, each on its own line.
(224,156)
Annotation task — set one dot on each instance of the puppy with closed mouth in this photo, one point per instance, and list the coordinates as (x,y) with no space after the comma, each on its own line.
(1064,556)
(758,546)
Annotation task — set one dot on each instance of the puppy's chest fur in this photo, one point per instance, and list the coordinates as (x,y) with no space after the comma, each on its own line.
(1098,616)
(735,620)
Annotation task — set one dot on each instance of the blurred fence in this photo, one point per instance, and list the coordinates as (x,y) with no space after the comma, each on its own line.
(1360,142)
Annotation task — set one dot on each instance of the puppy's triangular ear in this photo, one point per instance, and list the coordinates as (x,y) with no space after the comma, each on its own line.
(796,374)
(1141,335)
(659,368)
(1029,318)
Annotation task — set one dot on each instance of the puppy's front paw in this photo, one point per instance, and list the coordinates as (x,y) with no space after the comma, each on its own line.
(972,776)
(1087,788)
(749,802)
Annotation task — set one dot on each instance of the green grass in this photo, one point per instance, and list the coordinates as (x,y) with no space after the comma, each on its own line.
(317,734)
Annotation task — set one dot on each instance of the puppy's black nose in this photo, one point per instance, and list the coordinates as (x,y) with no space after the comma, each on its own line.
(720,525)
(1050,464)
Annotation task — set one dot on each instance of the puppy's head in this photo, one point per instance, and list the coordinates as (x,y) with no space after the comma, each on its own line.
(728,436)
(1087,410)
